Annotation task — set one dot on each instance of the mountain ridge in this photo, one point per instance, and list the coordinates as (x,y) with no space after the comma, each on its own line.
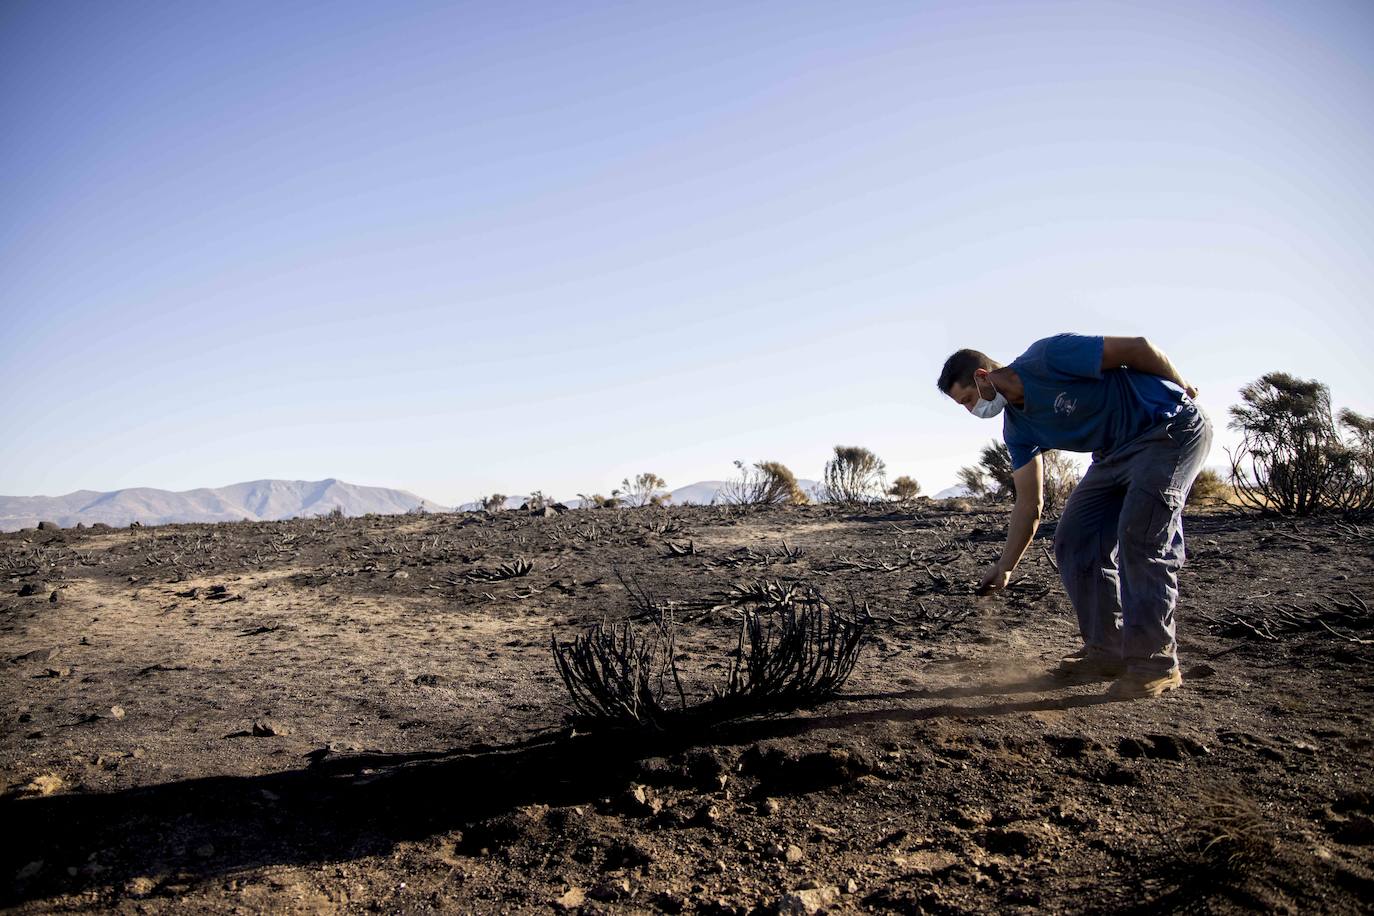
(255,500)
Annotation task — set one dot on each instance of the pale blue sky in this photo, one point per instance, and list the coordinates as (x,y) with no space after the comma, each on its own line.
(461,248)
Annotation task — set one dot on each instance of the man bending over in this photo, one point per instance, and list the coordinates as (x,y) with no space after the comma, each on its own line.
(1119,543)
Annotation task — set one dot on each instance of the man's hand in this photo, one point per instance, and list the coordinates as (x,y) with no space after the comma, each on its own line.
(995,579)
(1191,391)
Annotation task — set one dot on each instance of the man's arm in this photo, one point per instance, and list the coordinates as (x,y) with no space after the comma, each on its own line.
(1025,518)
(1139,354)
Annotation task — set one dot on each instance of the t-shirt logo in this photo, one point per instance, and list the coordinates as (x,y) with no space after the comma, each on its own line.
(1064,404)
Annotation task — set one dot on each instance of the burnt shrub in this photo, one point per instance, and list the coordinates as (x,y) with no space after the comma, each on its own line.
(766,483)
(1060,477)
(1293,458)
(855,475)
(642,490)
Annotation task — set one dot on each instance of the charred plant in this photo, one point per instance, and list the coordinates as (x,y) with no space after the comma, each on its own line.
(618,674)
(793,653)
(793,648)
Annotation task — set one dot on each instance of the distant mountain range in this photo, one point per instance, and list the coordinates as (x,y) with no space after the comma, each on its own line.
(257,500)
(267,500)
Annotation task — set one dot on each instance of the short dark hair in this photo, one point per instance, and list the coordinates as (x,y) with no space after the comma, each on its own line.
(959,368)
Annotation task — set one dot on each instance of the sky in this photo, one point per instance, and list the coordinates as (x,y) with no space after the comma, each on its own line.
(464,248)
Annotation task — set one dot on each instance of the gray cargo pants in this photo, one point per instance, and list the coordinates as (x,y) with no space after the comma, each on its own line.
(1119,543)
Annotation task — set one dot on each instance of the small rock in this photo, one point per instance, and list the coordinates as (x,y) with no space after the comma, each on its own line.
(793,854)
(29,589)
(572,899)
(63,671)
(28,871)
(205,850)
(640,799)
(771,806)
(116,712)
(611,889)
(970,817)
(142,885)
(627,853)
(706,769)
(708,815)
(400,574)
(266,728)
(49,526)
(851,886)
(44,784)
(809,901)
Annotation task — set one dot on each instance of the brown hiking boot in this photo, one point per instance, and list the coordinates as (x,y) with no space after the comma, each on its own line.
(1089,666)
(1141,684)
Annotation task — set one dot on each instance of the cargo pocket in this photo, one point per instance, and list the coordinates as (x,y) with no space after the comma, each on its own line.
(1148,519)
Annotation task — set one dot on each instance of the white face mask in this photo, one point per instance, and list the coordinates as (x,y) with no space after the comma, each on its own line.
(985,409)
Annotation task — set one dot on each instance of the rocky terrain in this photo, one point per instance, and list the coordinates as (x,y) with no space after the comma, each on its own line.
(362,715)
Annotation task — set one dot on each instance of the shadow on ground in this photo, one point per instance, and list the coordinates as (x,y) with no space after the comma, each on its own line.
(341,808)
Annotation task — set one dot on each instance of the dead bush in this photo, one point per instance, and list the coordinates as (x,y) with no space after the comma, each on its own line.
(619,675)
(597,501)
(1357,489)
(905,489)
(1227,830)
(800,651)
(1208,487)
(512,570)
(793,648)
(975,481)
(1292,458)
(643,490)
(1060,476)
(496,502)
(766,483)
(991,477)
(855,475)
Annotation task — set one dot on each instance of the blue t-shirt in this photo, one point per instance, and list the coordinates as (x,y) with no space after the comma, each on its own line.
(1071,404)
